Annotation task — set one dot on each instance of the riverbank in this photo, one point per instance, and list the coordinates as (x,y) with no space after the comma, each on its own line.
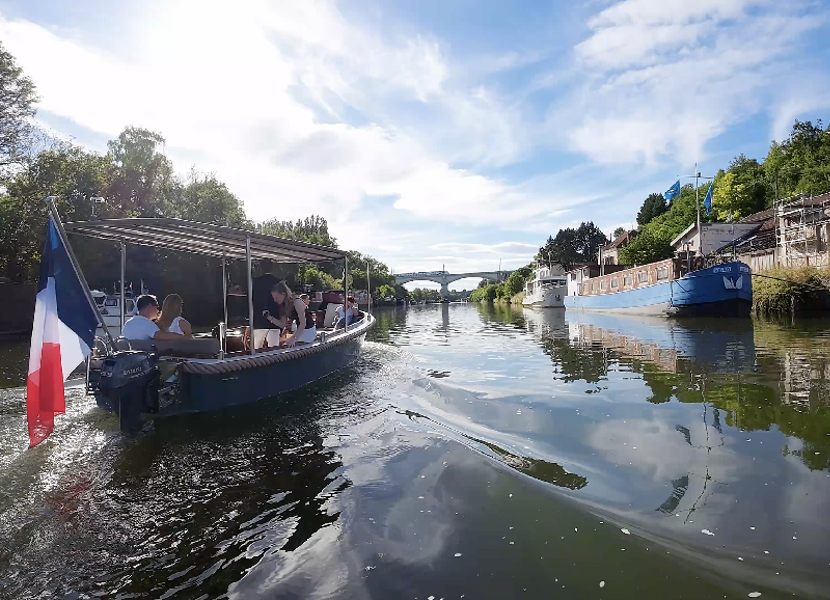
(791,290)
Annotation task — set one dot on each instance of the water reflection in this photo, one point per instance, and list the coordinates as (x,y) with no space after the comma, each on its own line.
(481,451)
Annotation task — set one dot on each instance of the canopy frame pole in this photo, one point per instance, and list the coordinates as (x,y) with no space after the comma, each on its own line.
(223,330)
(346,288)
(250,291)
(123,300)
(369,285)
(53,210)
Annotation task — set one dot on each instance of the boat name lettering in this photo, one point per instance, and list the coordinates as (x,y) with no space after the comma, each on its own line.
(722,270)
(744,269)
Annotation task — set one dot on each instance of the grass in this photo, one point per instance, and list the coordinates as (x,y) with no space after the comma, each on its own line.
(785,289)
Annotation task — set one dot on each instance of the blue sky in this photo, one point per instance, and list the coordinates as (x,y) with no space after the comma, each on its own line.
(433,132)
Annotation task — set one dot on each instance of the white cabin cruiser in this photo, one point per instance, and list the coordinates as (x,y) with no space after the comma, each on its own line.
(110,307)
(547,289)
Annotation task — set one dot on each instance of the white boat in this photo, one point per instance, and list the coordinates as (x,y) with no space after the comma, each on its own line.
(110,307)
(547,289)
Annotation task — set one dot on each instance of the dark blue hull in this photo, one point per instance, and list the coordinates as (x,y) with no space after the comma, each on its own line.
(724,290)
(211,392)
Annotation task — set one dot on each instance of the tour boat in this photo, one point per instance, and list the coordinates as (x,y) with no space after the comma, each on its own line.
(545,290)
(110,307)
(153,378)
(681,286)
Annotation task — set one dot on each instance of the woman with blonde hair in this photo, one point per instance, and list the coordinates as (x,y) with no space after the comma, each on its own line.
(171,317)
(293,308)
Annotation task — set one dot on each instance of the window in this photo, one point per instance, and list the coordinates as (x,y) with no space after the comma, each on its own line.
(603,284)
(627,280)
(586,288)
(662,273)
(594,286)
(642,277)
(615,283)
(573,276)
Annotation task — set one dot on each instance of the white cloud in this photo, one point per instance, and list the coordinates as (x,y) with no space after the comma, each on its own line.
(661,78)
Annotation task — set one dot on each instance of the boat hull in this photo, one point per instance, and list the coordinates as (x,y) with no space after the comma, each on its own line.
(549,300)
(724,290)
(206,392)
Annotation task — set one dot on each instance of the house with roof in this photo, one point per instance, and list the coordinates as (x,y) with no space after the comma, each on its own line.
(609,254)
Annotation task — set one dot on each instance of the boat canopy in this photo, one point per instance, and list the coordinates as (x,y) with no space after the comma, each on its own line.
(205,239)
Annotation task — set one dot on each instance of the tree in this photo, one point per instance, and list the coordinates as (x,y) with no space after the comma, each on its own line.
(515,283)
(647,247)
(653,207)
(731,200)
(562,250)
(618,232)
(313,229)
(387,291)
(17,97)
(144,184)
(800,164)
(206,199)
(590,239)
(70,174)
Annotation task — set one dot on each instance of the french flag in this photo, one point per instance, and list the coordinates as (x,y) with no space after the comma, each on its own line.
(62,335)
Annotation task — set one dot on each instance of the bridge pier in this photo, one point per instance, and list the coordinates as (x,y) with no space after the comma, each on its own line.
(445,289)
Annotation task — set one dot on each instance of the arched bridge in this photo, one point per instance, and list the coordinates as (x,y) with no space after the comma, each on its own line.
(445,278)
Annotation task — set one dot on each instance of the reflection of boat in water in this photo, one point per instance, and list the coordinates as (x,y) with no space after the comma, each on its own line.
(727,344)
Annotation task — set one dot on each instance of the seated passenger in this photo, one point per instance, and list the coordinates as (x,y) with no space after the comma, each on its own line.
(171,317)
(295,309)
(348,315)
(142,326)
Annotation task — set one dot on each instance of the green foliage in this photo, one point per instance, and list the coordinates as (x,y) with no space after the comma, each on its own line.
(783,288)
(653,206)
(385,291)
(313,229)
(647,247)
(378,273)
(801,163)
(208,200)
(17,97)
(571,246)
(618,232)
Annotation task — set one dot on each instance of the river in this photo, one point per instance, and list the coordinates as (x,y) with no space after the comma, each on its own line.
(473,452)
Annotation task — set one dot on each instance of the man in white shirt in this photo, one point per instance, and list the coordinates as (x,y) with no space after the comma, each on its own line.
(142,326)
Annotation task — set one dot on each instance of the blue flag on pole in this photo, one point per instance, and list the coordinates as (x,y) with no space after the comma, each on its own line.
(707,201)
(673,191)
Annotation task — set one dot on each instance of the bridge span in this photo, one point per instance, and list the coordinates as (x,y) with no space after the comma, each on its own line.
(445,278)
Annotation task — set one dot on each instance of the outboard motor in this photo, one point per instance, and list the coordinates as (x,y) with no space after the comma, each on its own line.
(128,385)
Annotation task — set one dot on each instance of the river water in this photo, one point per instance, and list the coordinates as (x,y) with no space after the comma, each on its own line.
(473,452)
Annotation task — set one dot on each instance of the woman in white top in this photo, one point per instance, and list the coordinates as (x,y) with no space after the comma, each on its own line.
(171,317)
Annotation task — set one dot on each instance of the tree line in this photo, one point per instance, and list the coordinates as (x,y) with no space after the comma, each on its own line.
(135,179)
(798,165)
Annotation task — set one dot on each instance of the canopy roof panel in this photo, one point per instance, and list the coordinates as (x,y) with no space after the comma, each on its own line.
(204,239)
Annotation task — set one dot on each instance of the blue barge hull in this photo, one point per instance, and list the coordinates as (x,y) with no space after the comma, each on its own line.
(723,290)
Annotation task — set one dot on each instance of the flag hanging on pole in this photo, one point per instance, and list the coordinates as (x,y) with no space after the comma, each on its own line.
(673,191)
(707,201)
(62,335)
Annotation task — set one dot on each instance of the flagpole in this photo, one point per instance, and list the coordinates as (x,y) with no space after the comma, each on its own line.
(53,210)
(697,202)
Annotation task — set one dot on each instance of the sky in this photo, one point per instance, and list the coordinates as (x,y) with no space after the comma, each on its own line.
(455,132)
